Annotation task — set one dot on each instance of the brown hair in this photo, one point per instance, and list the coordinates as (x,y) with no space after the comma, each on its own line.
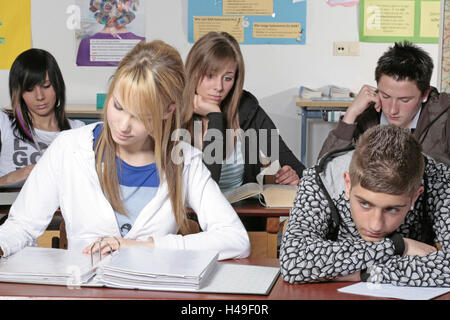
(207,56)
(149,79)
(388,159)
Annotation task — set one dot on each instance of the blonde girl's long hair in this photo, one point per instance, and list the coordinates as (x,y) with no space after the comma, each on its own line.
(206,57)
(149,79)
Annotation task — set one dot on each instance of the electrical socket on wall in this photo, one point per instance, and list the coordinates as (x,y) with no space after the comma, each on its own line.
(346,48)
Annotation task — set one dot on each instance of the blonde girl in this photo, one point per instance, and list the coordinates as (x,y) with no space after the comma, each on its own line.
(117,180)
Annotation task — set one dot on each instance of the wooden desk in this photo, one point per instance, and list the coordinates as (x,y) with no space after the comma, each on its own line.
(263,243)
(315,109)
(280,291)
(87,113)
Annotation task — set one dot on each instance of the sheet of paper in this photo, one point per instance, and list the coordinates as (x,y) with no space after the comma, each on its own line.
(248,7)
(276,30)
(232,25)
(391,291)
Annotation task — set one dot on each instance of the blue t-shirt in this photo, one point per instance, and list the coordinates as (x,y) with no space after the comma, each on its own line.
(138,186)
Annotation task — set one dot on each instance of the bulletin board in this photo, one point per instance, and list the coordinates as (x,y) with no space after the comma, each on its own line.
(249,21)
(398,20)
(15,30)
(444,48)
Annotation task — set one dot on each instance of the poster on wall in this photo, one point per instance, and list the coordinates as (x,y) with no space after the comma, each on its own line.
(249,21)
(15,30)
(397,20)
(108,30)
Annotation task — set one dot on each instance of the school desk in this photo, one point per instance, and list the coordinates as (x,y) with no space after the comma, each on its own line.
(314,109)
(280,291)
(87,113)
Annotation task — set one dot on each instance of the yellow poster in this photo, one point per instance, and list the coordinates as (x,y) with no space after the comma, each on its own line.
(248,7)
(232,25)
(389,18)
(276,30)
(429,19)
(15,30)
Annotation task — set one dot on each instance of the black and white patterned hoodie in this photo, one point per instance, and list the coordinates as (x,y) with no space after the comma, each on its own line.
(321,241)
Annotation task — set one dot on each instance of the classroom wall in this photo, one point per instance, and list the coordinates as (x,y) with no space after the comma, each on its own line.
(274,72)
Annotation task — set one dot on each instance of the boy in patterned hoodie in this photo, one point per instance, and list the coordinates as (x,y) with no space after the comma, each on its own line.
(379,213)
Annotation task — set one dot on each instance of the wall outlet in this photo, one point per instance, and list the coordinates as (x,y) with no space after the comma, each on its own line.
(346,48)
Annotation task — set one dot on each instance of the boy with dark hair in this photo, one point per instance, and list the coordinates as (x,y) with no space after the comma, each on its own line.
(378,213)
(404,98)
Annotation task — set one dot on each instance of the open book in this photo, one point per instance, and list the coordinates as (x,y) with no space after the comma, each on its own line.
(137,268)
(269,195)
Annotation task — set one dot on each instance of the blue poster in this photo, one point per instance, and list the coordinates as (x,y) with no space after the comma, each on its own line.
(249,21)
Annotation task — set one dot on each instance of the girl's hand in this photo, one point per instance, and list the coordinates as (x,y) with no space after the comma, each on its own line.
(202,107)
(367,95)
(16,175)
(110,244)
(287,175)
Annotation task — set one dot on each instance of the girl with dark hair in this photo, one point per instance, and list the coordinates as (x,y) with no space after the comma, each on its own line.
(37,92)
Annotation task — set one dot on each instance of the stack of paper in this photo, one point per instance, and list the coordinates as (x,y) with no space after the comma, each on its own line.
(335,92)
(308,93)
(151,268)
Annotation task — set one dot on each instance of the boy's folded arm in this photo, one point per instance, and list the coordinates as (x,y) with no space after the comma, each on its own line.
(432,270)
(426,269)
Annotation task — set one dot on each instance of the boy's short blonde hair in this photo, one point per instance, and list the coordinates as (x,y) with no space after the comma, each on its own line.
(388,159)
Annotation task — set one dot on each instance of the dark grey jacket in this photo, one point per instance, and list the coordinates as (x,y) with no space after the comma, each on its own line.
(252,116)
(432,131)
(321,241)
